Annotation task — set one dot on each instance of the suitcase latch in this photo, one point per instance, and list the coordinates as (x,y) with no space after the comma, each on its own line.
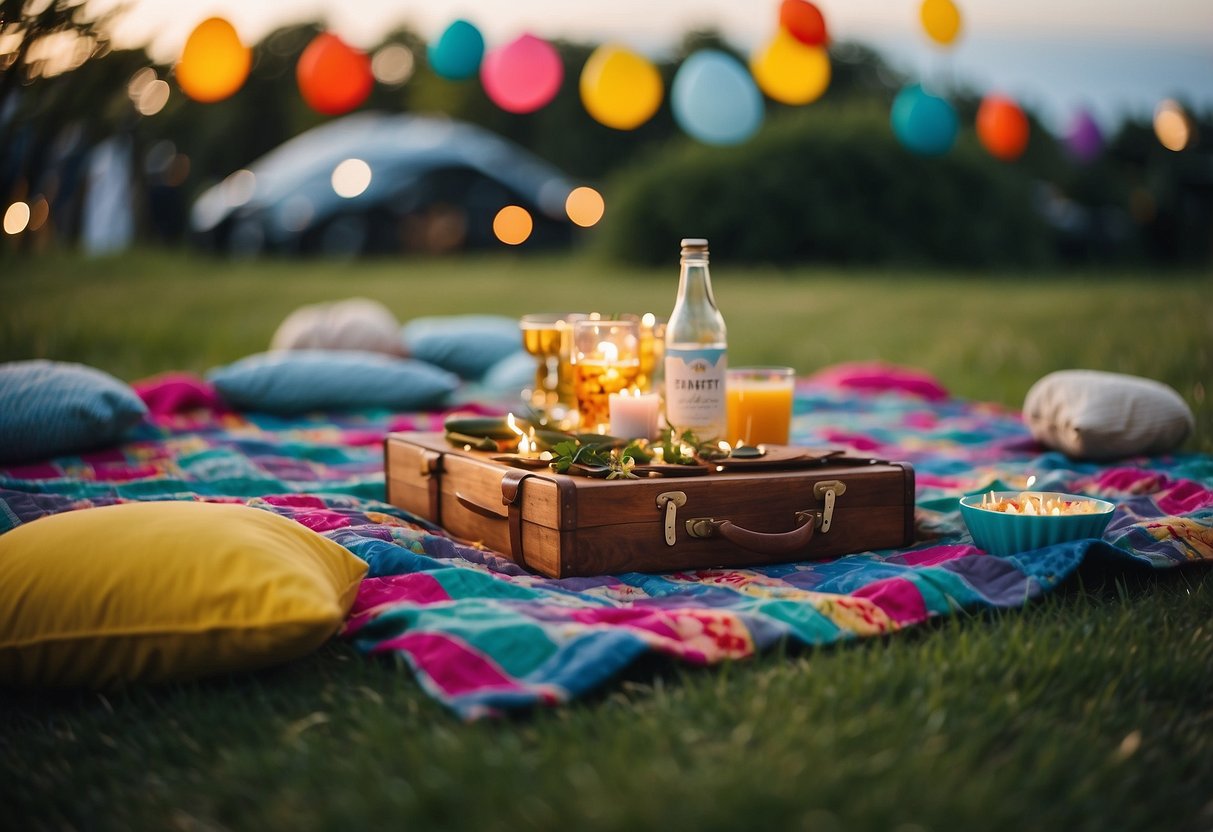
(828,490)
(669,501)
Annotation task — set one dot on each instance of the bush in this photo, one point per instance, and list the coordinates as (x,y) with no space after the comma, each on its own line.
(826,185)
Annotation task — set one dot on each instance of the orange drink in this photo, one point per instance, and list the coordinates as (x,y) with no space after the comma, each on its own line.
(758,401)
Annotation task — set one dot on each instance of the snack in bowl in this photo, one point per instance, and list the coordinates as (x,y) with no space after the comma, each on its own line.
(1007,522)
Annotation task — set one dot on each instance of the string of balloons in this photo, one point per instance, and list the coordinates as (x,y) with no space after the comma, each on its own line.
(714,98)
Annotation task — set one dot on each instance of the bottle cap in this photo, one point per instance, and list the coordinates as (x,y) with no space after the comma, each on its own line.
(694,244)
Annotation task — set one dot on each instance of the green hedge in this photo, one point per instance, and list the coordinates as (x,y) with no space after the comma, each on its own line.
(826,185)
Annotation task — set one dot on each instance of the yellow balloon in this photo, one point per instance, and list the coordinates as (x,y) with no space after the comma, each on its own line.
(789,71)
(214,63)
(620,88)
(941,19)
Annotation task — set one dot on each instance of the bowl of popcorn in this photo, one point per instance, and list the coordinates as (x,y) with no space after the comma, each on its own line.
(1007,522)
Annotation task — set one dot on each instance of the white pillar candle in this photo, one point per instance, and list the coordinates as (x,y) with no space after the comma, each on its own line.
(634,415)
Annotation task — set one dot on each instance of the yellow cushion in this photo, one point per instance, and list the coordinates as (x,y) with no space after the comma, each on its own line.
(164,591)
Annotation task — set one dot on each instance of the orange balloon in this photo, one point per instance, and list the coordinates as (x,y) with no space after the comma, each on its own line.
(214,63)
(333,77)
(1002,127)
(804,21)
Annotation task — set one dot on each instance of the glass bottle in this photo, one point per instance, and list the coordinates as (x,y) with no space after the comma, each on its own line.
(695,350)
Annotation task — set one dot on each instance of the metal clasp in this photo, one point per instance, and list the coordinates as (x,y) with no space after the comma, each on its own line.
(669,501)
(827,490)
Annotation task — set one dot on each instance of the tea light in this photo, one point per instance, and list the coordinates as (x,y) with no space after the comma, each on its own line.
(634,414)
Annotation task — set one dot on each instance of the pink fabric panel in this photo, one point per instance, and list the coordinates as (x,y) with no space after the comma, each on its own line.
(178,393)
(899,598)
(878,377)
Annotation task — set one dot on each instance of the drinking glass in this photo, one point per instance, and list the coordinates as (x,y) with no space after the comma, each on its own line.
(759,404)
(547,336)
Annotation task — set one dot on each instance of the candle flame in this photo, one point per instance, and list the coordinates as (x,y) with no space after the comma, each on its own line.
(512,425)
(1031,482)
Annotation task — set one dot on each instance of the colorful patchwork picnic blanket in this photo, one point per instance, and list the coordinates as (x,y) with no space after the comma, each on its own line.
(483,636)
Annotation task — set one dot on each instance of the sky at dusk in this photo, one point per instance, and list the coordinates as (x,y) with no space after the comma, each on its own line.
(1112,58)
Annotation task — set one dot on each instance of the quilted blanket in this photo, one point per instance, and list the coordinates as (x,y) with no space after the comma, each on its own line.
(483,636)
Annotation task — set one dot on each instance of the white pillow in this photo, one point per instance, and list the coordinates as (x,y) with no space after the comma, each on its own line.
(352,324)
(1095,415)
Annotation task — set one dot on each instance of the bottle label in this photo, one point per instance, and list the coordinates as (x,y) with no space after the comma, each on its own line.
(694,390)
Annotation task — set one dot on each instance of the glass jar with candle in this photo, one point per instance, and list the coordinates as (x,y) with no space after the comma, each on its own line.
(605,360)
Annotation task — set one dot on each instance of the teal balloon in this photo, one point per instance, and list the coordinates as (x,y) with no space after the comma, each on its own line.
(925,124)
(715,99)
(457,53)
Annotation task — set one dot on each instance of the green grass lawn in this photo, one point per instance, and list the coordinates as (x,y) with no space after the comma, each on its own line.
(1091,710)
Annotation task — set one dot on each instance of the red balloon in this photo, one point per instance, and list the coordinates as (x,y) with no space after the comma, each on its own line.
(333,77)
(804,21)
(1002,127)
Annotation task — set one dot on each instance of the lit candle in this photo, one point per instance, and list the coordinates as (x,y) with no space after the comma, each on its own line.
(634,414)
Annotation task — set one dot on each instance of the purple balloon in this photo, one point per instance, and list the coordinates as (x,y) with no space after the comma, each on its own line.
(1084,140)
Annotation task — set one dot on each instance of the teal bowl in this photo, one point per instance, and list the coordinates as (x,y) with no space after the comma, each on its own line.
(1006,534)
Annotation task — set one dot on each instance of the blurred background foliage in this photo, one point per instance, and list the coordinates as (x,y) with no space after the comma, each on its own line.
(822,183)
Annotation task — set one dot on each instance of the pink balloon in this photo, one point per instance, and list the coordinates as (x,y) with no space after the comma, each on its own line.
(522,76)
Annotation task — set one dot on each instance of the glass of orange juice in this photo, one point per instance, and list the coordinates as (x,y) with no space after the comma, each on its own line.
(759,404)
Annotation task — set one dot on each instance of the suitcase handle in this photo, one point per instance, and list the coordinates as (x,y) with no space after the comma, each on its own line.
(778,543)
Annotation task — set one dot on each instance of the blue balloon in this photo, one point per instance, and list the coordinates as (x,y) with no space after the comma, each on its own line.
(458,51)
(715,100)
(925,124)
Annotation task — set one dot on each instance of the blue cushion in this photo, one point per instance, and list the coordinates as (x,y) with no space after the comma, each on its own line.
(467,345)
(297,381)
(511,374)
(50,408)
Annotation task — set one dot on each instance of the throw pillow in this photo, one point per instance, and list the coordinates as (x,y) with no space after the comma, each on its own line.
(51,408)
(297,381)
(351,324)
(467,345)
(164,591)
(1090,414)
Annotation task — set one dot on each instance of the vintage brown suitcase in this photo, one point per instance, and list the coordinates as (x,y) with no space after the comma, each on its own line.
(564,526)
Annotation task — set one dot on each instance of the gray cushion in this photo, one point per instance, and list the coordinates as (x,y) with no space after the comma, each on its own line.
(1090,414)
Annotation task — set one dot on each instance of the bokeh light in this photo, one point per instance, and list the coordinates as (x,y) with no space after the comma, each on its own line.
(16,218)
(351,178)
(513,225)
(39,213)
(393,65)
(585,206)
(1171,125)
(152,98)
(139,82)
